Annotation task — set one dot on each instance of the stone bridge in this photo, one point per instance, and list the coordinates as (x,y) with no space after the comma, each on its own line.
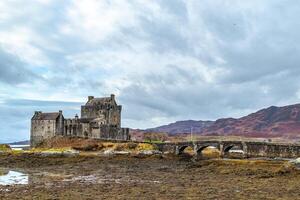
(249,149)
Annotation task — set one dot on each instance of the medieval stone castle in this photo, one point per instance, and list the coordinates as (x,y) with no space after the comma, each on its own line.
(100,119)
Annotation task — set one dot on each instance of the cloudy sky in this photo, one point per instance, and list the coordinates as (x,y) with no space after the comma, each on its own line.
(165,60)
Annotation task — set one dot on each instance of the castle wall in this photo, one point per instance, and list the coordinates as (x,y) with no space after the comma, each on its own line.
(100,118)
(86,132)
(114,116)
(114,133)
(106,110)
(95,132)
(90,111)
(41,130)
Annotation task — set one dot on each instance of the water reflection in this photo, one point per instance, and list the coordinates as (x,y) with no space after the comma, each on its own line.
(13,178)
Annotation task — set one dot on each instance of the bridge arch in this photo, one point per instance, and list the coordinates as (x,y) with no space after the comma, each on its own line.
(228,148)
(180,149)
(200,149)
(233,149)
(214,153)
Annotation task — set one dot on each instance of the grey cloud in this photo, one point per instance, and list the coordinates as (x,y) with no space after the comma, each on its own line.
(39,103)
(164,36)
(13,70)
(254,43)
(16,114)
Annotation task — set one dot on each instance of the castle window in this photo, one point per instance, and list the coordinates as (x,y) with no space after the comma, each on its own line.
(48,127)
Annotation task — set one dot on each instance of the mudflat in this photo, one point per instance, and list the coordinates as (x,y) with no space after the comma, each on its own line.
(152,177)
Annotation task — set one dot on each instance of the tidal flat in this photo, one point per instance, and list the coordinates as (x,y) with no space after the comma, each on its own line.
(149,177)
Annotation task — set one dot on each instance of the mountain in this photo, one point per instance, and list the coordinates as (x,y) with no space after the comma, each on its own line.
(182,127)
(270,122)
(26,142)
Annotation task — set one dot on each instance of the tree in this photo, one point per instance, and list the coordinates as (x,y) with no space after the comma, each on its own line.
(152,136)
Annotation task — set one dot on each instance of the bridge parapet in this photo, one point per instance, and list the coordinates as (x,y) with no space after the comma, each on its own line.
(249,148)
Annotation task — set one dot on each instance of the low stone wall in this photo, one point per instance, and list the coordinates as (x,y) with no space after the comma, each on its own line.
(272,150)
(114,133)
(36,140)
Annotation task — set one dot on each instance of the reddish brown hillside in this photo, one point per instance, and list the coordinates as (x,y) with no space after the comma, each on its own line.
(269,122)
(283,122)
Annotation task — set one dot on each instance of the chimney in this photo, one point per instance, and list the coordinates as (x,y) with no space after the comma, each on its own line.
(112,96)
(61,123)
(90,98)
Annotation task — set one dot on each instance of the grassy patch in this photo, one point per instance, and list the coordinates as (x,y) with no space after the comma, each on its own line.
(154,141)
(132,146)
(5,148)
(54,150)
(61,144)
(17,152)
(145,147)
(211,153)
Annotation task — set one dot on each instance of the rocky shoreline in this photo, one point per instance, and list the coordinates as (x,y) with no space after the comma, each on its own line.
(88,169)
(155,176)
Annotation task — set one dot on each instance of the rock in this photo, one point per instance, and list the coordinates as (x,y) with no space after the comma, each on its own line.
(108,152)
(49,153)
(88,147)
(150,152)
(113,152)
(296,161)
(121,152)
(70,152)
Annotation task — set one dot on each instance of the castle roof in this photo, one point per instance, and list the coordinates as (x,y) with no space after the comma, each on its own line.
(45,116)
(97,101)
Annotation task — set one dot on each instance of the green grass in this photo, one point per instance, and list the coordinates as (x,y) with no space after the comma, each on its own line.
(5,147)
(154,141)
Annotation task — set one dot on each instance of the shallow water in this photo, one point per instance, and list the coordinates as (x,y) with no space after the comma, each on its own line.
(14,178)
(19,147)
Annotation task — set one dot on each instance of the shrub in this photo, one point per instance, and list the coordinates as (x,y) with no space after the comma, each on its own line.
(119,147)
(145,146)
(132,145)
(108,145)
(88,147)
(158,137)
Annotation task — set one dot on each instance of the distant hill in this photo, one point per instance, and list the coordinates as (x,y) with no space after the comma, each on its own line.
(26,142)
(182,127)
(269,122)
